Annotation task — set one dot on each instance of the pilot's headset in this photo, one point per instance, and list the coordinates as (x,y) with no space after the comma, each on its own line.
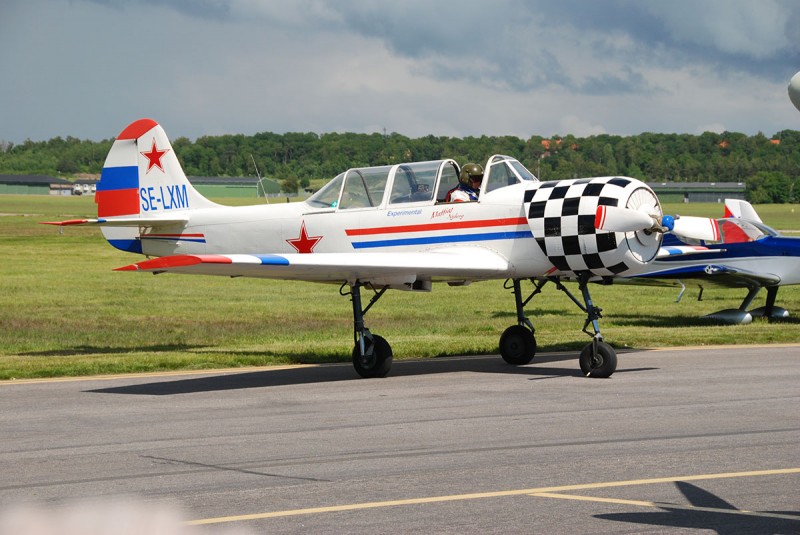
(468,172)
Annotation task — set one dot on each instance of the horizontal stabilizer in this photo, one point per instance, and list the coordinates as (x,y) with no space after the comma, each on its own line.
(122,221)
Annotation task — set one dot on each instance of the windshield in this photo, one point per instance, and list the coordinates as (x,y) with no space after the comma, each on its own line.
(505,171)
(328,195)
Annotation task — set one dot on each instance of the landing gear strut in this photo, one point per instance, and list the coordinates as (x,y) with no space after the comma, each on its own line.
(518,344)
(372,354)
(597,359)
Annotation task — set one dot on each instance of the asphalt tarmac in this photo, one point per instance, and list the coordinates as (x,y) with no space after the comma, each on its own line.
(675,441)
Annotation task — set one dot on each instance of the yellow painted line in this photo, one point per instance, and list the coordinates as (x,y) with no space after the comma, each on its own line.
(593,499)
(174,373)
(665,505)
(484,495)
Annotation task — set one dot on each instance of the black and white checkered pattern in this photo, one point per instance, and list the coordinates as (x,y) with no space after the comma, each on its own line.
(561,215)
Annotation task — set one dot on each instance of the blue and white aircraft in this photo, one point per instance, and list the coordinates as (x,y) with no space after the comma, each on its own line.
(388,227)
(748,255)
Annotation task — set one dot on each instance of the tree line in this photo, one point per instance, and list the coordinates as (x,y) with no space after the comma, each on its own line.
(769,166)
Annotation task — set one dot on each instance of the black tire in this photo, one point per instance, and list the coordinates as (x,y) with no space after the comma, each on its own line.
(603,365)
(378,363)
(517,345)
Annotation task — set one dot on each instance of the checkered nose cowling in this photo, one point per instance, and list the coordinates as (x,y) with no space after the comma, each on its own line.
(561,215)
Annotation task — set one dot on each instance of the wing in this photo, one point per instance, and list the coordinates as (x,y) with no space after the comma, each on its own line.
(381,269)
(704,274)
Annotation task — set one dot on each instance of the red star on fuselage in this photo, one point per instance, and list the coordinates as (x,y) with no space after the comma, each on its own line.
(305,243)
(154,157)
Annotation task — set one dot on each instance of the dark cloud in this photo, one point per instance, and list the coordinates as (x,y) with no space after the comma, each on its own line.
(87,67)
(213,9)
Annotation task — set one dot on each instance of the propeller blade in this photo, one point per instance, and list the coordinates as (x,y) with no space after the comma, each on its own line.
(696,228)
(616,219)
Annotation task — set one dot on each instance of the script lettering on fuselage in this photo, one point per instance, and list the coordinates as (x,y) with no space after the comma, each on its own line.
(447,213)
(164,198)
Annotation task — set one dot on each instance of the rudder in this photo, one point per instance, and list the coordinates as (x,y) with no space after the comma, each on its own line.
(142,179)
(142,176)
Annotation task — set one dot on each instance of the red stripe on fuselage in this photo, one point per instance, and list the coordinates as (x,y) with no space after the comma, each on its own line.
(438,226)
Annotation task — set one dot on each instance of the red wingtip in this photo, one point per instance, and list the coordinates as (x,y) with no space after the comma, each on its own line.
(166,262)
(64,223)
(137,129)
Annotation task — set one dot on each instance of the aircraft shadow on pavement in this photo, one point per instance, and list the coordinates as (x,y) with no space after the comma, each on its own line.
(344,372)
(106,350)
(710,512)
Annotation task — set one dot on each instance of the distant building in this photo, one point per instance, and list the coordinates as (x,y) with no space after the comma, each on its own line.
(34,185)
(698,191)
(211,186)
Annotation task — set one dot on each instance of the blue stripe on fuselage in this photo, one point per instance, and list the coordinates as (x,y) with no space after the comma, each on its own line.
(454,238)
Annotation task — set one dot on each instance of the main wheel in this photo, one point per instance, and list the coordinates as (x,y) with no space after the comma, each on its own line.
(601,365)
(517,345)
(376,364)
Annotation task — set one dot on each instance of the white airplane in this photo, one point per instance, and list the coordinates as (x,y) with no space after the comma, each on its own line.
(748,255)
(387,227)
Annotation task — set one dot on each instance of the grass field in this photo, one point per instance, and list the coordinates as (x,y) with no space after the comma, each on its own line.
(64,312)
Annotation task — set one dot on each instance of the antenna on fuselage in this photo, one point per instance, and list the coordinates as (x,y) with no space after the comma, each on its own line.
(259,185)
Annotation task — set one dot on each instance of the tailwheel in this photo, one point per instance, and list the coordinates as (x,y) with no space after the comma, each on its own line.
(517,345)
(376,361)
(598,359)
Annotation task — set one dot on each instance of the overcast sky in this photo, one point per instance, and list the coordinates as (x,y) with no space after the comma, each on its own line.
(87,68)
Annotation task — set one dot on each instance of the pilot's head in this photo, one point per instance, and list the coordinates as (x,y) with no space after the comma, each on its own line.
(471,176)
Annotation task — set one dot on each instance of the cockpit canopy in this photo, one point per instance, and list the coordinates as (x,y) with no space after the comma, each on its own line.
(737,230)
(415,182)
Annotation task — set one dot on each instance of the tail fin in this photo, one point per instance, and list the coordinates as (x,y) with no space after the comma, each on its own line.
(742,209)
(143,178)
(143,184)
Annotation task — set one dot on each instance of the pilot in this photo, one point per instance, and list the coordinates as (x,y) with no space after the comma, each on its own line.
(469,184)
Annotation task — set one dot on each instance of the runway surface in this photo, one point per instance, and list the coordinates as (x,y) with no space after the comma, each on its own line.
(676,440)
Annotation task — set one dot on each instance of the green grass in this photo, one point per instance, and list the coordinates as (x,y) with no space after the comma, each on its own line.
(64,312)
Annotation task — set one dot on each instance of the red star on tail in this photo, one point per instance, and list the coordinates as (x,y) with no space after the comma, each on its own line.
(305,243)
(154,157)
